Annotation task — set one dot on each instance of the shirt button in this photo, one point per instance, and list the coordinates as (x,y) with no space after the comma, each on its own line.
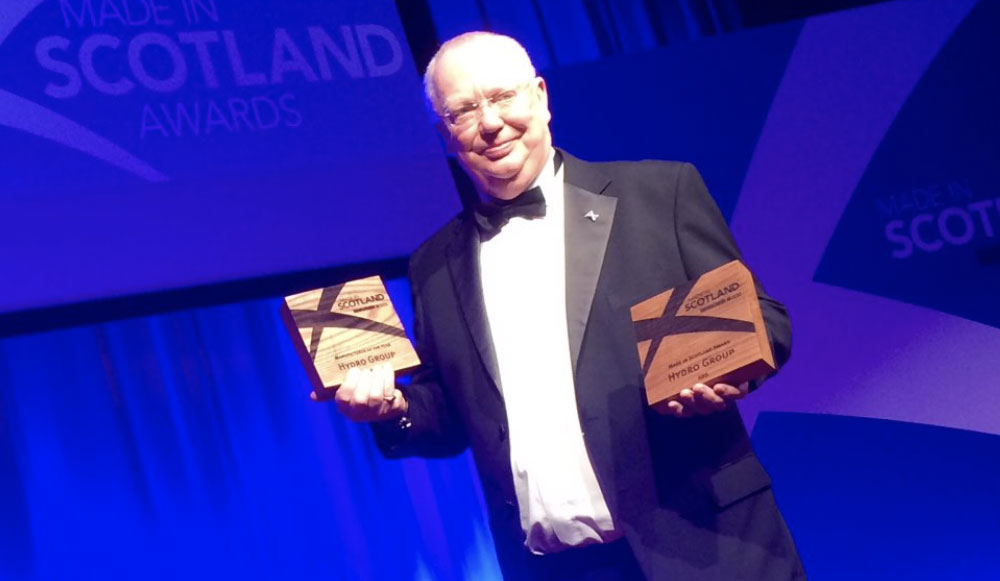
(502,432)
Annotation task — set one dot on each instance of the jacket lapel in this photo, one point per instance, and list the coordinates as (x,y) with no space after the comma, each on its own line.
(586,242)
(589,216)
(463,264)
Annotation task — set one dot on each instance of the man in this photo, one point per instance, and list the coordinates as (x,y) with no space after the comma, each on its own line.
(521,317)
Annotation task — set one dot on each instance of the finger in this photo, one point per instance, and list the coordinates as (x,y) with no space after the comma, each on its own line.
(359,397)
(390,375)
(744,388)
(373,391)
(706,400)
(373,375)
(726,391)
(676,408)
(388,380)
(389,391)
(687,400)
(344,396)
(399,403)
(381,391)
(707,394)
(312,396)
(352,377)
(345,392)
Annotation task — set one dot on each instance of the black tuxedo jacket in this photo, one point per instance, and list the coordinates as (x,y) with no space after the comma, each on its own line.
(690,495)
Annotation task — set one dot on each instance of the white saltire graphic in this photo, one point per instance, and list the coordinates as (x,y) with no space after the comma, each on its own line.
(21,114)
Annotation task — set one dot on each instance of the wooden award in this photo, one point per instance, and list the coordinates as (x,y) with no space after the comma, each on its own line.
(709,331)
(344,326)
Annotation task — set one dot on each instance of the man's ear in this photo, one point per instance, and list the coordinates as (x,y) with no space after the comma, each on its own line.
(543,95)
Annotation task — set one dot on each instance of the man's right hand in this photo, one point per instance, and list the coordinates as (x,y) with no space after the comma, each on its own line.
(369,395)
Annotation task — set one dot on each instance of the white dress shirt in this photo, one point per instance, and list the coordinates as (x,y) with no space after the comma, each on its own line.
(524,287)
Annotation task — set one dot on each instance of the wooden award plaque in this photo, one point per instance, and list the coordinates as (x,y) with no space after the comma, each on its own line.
(709,331)
(344,326)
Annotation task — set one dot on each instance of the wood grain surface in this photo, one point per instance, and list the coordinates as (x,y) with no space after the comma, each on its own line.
(707,331)
(348,325)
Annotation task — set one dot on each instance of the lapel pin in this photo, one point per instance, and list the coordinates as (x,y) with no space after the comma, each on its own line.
(592,216)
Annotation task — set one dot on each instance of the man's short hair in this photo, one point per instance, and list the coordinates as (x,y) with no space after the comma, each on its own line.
(500,42)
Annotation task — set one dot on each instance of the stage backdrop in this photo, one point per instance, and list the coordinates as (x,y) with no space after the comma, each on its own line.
(855,155)
(160,144)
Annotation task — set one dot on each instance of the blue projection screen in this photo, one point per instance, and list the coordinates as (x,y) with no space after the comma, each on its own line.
(149,145)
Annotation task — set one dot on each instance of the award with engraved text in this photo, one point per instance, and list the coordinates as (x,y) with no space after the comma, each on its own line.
(344,326)
(709,331)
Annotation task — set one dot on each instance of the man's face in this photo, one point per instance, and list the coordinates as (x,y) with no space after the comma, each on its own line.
(504,141)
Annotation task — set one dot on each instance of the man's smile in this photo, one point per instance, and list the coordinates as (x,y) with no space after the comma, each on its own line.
(496,152)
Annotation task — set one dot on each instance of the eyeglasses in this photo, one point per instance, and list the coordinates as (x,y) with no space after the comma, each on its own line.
(470,112)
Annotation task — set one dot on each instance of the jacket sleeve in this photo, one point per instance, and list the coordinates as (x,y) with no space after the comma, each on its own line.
(705,243)
(431,427)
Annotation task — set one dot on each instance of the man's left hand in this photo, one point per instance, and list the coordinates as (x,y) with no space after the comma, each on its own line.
(702,399)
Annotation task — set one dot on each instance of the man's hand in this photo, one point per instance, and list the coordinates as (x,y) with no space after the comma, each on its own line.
(369,395)
(701,399)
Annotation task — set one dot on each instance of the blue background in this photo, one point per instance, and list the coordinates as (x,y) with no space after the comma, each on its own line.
(232,205)
(184,444)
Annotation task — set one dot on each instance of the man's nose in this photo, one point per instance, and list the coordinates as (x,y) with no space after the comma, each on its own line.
(489,119)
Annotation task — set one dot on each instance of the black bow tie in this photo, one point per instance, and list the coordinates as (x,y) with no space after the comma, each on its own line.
(493,215)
